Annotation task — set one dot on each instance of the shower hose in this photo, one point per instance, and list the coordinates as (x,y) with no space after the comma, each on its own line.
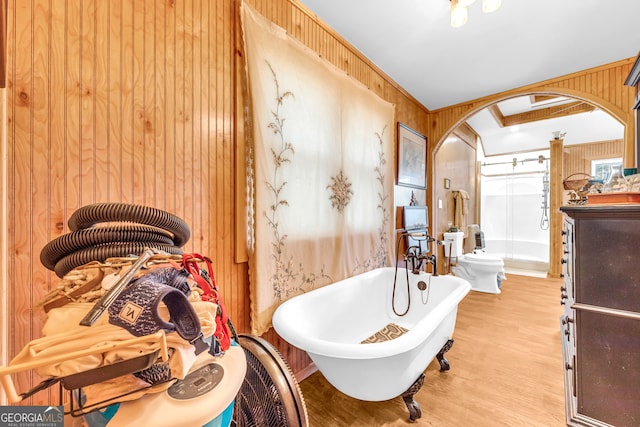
(136,228)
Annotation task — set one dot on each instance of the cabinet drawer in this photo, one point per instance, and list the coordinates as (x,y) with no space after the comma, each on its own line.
(608,367)
(607,272)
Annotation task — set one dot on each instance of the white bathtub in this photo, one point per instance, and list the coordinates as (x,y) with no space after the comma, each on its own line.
(522,250)
(329,324)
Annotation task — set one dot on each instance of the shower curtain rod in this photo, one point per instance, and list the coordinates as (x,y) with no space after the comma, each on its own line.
(517,161)
(512,174)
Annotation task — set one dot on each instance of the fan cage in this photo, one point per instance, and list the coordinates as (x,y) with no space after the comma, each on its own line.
(269,395)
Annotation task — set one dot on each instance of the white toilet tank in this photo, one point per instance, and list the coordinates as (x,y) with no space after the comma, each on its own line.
(453,244)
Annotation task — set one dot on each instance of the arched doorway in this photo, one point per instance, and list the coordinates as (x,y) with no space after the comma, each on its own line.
(455,153)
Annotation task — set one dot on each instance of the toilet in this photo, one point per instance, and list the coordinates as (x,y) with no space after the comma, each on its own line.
(483,271)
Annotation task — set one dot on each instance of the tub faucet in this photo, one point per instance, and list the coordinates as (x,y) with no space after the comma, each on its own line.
(414,255)
(431,259)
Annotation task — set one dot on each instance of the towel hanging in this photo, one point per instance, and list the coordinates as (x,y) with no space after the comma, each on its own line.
(461,209)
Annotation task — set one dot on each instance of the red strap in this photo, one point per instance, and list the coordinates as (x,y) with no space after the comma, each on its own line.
(190,263)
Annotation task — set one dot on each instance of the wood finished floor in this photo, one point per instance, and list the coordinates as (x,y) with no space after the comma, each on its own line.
(506,369)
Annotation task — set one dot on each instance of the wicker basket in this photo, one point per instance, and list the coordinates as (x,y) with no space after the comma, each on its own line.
(576,181)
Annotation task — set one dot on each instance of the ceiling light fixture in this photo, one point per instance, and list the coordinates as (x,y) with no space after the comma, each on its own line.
(460,15)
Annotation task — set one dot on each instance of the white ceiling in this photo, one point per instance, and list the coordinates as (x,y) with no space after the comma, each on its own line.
(523,42)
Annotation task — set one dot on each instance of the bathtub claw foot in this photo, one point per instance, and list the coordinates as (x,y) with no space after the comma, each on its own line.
(444,363)
(412,405)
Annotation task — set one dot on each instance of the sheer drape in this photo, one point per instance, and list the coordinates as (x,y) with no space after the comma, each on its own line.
(323,171)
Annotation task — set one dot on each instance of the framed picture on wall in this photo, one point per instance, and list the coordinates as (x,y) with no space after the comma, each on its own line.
(412,158)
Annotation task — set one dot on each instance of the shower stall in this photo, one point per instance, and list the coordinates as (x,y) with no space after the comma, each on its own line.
(514,213)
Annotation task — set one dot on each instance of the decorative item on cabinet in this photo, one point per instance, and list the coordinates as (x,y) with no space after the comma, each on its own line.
(600,324)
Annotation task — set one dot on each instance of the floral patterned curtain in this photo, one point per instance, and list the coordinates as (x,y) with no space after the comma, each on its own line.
(322,169)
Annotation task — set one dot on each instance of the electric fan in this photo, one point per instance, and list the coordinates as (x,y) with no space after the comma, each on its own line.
(270,395)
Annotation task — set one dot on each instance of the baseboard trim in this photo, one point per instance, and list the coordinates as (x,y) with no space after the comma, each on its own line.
(306,372)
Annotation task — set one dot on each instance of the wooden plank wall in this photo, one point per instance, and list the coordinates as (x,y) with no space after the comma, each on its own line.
(122,101)
(577,158)
(3,183)
(3,44)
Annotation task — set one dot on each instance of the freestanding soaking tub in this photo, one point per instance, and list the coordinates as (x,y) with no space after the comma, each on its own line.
(331,323)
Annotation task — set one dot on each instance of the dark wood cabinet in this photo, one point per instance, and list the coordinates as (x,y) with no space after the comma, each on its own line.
(600,325)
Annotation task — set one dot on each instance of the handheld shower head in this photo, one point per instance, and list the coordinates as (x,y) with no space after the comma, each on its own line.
(417,234)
